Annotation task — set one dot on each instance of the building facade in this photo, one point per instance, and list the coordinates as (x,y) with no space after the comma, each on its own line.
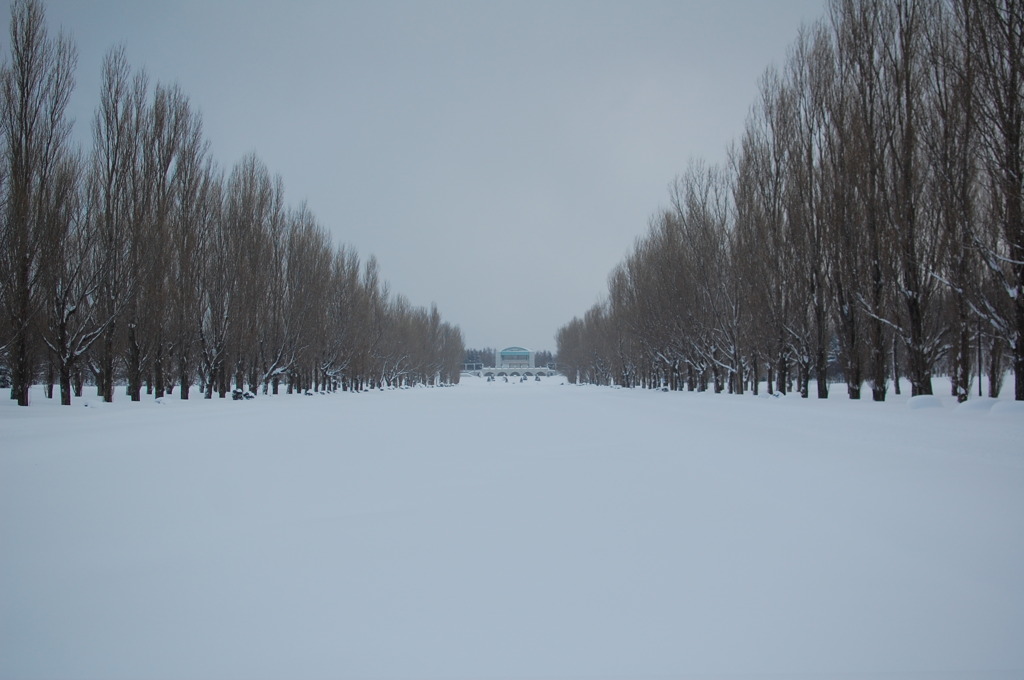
(510,362)
(514,357)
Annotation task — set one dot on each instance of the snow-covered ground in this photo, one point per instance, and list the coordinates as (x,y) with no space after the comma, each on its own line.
(513,530)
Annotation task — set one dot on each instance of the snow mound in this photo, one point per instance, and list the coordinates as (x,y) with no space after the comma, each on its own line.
(923,401)
(1008,408)
(975,406)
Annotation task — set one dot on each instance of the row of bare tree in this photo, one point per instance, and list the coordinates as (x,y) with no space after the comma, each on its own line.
(868,223)
(138,262)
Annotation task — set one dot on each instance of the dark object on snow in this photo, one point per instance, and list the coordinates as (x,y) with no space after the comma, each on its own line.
(238,395)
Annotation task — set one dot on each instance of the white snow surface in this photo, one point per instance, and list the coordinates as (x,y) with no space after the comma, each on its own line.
(512,530)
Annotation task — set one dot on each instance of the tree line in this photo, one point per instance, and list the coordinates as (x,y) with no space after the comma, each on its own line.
(868,223)
(140,262)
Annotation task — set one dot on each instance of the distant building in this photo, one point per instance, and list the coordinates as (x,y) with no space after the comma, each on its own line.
(511,361)
(514,357)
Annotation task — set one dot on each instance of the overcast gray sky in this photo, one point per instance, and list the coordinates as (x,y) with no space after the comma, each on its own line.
(499,158)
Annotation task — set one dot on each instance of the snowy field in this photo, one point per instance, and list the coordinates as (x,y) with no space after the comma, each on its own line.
(513,530)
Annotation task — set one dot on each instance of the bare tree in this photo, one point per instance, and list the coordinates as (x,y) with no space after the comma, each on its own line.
(115,156)
(217,287)
(808,76)
(249,204)
(761,161)
(995,38)
(170,122)
(844,212)
(860,27)
(912,223)
(950,139)
(72,321)
(34,130)
(187,228)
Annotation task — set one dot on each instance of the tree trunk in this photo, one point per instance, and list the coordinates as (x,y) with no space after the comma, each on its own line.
(105,373)
(49,379)
(896,366)
(184,375)
(782,375)
(65,384)
(877,353)
(995,368)
(223,382)
(961,382)
(134,367)
(755,374)
(158,371)
(1018,350)
(852,364)
(821,357)
(919,370)
(803,378)
(22,370)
